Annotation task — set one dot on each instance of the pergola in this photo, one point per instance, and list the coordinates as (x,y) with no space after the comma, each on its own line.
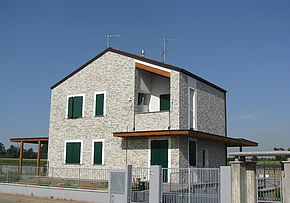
(35,140)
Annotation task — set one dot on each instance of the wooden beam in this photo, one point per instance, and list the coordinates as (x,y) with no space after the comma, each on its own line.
(20,157)
(231,142)
(30,140)
(38,157)
(152,70)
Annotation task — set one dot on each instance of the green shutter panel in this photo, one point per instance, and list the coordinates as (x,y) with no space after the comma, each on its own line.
(73,152)
(98,153)
(192,153)
(70,107)
(165,102)
(78,107)
(77,152)
(99,104)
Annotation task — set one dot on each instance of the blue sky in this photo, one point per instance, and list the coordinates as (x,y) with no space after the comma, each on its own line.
(242,46)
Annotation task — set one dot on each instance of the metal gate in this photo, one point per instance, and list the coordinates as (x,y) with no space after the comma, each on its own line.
(269,186)
(191,185)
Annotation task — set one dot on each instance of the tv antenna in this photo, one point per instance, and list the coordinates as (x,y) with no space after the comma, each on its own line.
(164,52)
(109,37)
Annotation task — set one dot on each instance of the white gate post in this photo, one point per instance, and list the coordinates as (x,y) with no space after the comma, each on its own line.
(226,184)
(286,181)
(155,187)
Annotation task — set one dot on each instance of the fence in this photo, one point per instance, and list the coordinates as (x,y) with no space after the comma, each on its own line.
(82,178)
(191,185)
(140,184)
(269,185)
(188,185)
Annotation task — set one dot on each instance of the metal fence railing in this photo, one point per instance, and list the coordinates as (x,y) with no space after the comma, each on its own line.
(269,184)
(140,184)
(188,185)
(83,178)
(191,185)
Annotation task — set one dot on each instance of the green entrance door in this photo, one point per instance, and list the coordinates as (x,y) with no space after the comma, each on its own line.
(159,155)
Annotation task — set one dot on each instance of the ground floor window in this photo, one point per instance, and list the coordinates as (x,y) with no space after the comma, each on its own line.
(192,153)
(73,152)
(98,153)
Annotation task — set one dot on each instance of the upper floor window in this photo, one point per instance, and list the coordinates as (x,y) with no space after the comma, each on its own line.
(100,103)
(164,102)
(75,106)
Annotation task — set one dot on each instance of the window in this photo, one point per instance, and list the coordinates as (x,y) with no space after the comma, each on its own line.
(100,100)
(192,153)
(73,152)
(98,152)
(75,107)
(164,102)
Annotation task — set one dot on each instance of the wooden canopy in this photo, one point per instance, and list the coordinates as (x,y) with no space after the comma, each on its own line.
(34,140)
(230,142)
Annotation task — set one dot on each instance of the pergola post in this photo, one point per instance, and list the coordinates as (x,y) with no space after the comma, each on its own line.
(20,157)
(38,157)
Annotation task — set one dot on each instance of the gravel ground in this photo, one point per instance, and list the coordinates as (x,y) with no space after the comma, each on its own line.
(12,198)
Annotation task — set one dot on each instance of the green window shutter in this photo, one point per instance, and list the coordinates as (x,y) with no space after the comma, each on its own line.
(192,153)
(70,107)
(73,153)
(165,102)
(99,104)
(98,152)
(78,107)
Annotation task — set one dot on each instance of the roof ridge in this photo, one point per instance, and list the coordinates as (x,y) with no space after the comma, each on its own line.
(141,58)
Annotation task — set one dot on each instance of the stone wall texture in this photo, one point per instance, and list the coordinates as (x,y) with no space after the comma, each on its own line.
(116,74)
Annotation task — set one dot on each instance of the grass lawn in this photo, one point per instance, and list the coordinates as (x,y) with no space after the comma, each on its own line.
(26,162)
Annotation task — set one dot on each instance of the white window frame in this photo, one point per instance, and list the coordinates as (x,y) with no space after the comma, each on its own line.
(81,154)
(194,106)
(83,107)
(192,140)
(105,102)
(103,151)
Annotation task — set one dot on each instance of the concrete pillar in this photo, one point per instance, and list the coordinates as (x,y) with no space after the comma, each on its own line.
(251,182)
(128,183)
(239,183)
(226,184)
(155,189)
(286,181)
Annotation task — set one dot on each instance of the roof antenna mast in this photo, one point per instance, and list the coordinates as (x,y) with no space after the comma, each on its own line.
(164,52)
(109,37)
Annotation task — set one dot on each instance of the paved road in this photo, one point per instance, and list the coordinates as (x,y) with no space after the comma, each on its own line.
(13,198)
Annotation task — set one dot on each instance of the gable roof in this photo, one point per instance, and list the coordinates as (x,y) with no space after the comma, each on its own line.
(141,58)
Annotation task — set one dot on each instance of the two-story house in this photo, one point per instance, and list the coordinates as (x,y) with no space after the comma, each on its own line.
(120,108)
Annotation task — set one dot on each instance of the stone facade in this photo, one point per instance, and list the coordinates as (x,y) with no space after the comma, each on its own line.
(116,75)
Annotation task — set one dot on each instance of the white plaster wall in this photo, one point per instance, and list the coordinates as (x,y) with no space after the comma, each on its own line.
(160,85)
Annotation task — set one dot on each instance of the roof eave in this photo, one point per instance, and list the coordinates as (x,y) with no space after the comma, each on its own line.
(141,58)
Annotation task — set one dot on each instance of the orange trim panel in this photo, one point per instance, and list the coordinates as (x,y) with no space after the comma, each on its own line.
(152,70)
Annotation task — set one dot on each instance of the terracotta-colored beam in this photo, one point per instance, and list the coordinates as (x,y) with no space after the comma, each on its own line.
(38,158)
(30,140)
(153,70)
(20,157)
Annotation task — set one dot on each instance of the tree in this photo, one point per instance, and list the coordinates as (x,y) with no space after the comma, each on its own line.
(12,152)
(2,150)
(29,154)
(44,150)
(279,158)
